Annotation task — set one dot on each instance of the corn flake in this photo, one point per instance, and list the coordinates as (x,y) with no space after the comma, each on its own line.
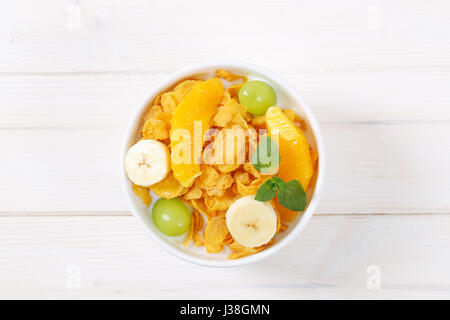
(199,205)
(211,179)
(195,192)
(190,232)
(252,170)
(215,192)
(239,251)
(259,121)
(169,102)
(169,187)
(183,88)
(226,168)
(215,233)
(228,239)
(231,112)
(143,193)
(242,176)
(194,230)
(290,114)
(224,74)
(155,129)
(314,157)
(233,91)
(220,203)
(197,236)
(208,178)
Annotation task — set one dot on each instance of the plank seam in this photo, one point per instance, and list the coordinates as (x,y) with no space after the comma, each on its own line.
(128,214)
(375,69)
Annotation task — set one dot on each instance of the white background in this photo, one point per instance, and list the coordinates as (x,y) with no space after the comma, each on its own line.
(376,74)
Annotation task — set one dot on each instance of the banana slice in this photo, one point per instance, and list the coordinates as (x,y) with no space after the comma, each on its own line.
(252,223)
(147,162)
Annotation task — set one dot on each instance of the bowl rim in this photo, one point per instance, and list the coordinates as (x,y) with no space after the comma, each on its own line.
(283,85)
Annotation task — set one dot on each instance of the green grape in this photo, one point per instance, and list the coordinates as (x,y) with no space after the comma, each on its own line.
(171,216)
(266,158)
(257,96)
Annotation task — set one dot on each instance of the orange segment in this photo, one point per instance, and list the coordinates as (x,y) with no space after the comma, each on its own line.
(286,215)
(296,162)
(200,104)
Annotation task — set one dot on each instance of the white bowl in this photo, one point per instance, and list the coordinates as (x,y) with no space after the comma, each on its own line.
(287,96)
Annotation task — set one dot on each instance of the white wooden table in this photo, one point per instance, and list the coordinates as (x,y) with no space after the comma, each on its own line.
(376,73)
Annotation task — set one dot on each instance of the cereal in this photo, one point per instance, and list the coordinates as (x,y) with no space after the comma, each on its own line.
(246,190)
(228,239)
(142,193)
(157,112)
(194,230)
(215,233)
(290,114)
(251,169)
(314,157)
(230,113)
(215,192)
(156,125)
(183,88)
(224,74)
(195,192)
(208,177)
(303,126)
(157,99)
(219,203)
(155,129)
(230,148)
(283,227)
(242,176)
(246,186)
(239,251)
(197,236)
(259,121)
(225,181)
(211,179)
(226,168)
(199,205)
(223,177)
(233,91)
(169,188)
(190,233)
(169,102)
(295,118)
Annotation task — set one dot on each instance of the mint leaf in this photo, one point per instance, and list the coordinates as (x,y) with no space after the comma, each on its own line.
(290,195)
(267,191)
(280,183)
(293,196)
(266,158)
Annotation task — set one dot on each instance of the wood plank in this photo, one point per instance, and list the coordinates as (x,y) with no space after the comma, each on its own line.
(43,257)
(139,35)
(371,169)
(62,137)
(366,97)
(375,73)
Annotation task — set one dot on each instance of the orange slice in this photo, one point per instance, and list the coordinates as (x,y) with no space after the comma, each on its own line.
(200,104)
(296,162)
